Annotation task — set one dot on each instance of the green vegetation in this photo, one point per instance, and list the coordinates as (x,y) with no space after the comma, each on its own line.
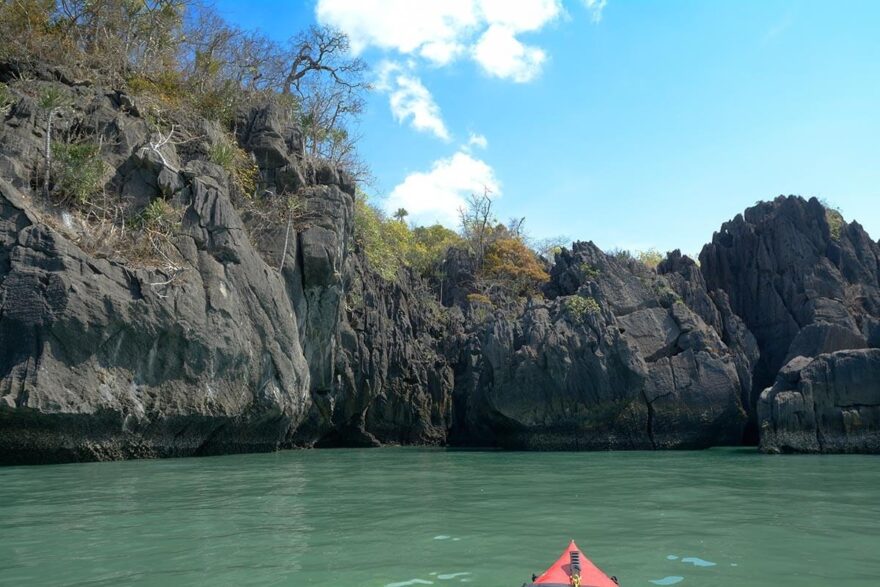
(664,291)
(506,268)
(649,258)
(835,222)
(237,163)
(621,255)
(183,61)
(385,243)
(513,268)
(587,271)
(159,216)
(430,246)
(480,306)
(580,307)
(389,244)
(78,172)
(6,99)
(834,218)
(52,98)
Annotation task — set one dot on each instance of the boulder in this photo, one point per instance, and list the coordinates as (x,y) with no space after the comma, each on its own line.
(828,404)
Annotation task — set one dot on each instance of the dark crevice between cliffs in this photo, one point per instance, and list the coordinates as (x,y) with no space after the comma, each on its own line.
(649,424)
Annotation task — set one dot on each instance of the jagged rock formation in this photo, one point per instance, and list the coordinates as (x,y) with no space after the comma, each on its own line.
(101,359)
(803,287)
(270,335)
(635,369)
(394,381)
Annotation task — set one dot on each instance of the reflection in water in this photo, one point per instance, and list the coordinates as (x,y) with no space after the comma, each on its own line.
(374,518)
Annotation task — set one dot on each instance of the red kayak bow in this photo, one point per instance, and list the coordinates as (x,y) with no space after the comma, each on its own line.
(573,569)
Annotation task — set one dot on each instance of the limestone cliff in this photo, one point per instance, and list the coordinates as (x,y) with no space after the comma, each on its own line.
(261,335)
(807,284)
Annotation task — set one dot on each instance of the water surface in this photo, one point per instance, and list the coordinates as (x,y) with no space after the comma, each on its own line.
(401,517)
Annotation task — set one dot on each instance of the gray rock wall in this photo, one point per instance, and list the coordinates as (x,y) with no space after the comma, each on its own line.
(805,291)
(639,371)
(263,335)
(830,403)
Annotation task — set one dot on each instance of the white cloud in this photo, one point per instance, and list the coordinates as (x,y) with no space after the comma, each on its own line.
(403,25)
(410,100)
(437,194)
(595,7)
(442,31)
(477,140)
(520,16)
(502,55)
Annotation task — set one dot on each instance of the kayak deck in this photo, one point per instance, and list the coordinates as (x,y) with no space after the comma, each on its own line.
(573,568)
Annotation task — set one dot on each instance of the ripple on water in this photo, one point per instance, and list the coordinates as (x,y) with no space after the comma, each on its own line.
(410,582)
(671,580)
(447,576)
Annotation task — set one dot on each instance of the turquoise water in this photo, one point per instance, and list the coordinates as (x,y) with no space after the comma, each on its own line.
(400,517)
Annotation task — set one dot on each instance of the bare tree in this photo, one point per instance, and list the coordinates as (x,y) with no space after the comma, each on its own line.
(323,50)
(516,227)
(328,84)
(548,247)
(477,223)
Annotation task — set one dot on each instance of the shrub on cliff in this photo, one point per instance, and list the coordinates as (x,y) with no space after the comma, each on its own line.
(834,218)
(506,268)
(78,172)
(581,307)
(649,257)
(430,246)
(240,166)
(384,242)
(389,244)
(511,267)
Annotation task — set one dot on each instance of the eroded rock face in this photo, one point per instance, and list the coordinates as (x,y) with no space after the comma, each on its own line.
(637,370)
(100,359)
(273,334)
(394,381)
(827,404)
(802,289)
(103,361)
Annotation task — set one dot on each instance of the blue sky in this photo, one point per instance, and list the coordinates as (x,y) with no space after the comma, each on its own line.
(632,124)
